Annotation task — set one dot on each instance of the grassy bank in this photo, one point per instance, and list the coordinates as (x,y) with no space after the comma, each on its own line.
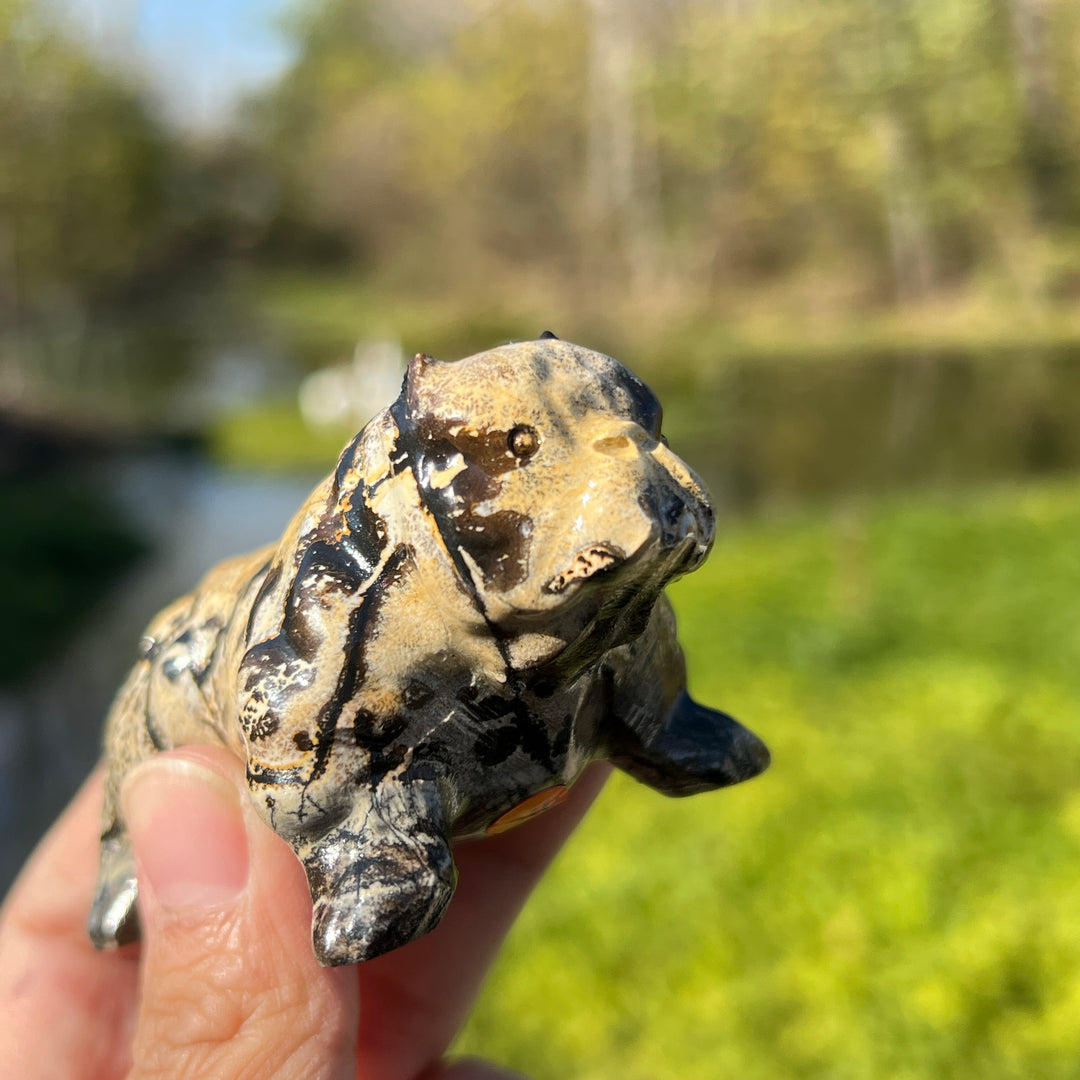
(898,895)
(320,316)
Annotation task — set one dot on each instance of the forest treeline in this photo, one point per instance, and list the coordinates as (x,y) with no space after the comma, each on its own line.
(629,155)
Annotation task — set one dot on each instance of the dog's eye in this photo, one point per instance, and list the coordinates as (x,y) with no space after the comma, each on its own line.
(523,441)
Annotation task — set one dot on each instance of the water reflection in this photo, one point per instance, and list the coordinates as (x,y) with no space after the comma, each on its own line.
(194,515)
(811,430)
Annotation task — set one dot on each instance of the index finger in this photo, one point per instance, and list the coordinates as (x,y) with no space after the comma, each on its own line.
(66,1008)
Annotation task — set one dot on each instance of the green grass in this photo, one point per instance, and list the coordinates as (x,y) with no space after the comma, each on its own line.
(271,436)
(899,896)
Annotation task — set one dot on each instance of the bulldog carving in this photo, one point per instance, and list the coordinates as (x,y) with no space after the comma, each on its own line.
(460,618)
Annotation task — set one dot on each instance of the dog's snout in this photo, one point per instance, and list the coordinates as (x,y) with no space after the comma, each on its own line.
(675,496)
(681,473)
(626,441)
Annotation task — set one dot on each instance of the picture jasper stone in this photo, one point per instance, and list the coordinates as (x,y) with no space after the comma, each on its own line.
(461,617)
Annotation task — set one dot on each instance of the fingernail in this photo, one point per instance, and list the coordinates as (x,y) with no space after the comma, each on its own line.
(187,829)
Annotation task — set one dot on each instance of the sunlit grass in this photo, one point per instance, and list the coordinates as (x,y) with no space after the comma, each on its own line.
(272,437)
(898,896)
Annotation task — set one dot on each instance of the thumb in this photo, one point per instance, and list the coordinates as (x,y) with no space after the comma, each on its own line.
(229,984)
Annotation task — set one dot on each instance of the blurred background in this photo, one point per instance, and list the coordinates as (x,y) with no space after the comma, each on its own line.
(840,238)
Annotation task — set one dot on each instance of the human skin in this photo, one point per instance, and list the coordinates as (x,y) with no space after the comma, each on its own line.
(224,983)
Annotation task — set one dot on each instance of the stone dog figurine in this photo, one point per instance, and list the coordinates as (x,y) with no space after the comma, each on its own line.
(460,618)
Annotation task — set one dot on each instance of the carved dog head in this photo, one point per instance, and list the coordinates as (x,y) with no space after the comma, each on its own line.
(544,466)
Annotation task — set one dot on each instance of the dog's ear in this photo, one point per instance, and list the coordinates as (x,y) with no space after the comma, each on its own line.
(423,387)
(414,378)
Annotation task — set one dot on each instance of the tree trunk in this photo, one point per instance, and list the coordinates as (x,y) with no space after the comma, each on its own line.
(621,183)
(1047,153)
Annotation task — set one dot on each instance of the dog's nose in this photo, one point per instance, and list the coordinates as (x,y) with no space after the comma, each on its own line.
(690,513)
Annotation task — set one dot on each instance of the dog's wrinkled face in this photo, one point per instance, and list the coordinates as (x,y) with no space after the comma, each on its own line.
(544,465)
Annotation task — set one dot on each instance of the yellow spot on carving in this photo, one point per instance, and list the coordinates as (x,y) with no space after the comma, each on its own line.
(530,808)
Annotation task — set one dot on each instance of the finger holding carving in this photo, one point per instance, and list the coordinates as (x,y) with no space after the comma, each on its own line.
(230,986)
(65,1009)
(415,999)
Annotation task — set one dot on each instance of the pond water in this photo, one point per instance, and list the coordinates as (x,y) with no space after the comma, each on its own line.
(193,515)
(786,431)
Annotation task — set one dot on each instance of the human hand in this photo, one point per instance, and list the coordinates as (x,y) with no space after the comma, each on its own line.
(224,983)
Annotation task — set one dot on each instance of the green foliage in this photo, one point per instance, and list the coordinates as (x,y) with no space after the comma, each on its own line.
(82,165)
(683,155)
(688,178)
(897,896)
(272,437)
(438,153)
